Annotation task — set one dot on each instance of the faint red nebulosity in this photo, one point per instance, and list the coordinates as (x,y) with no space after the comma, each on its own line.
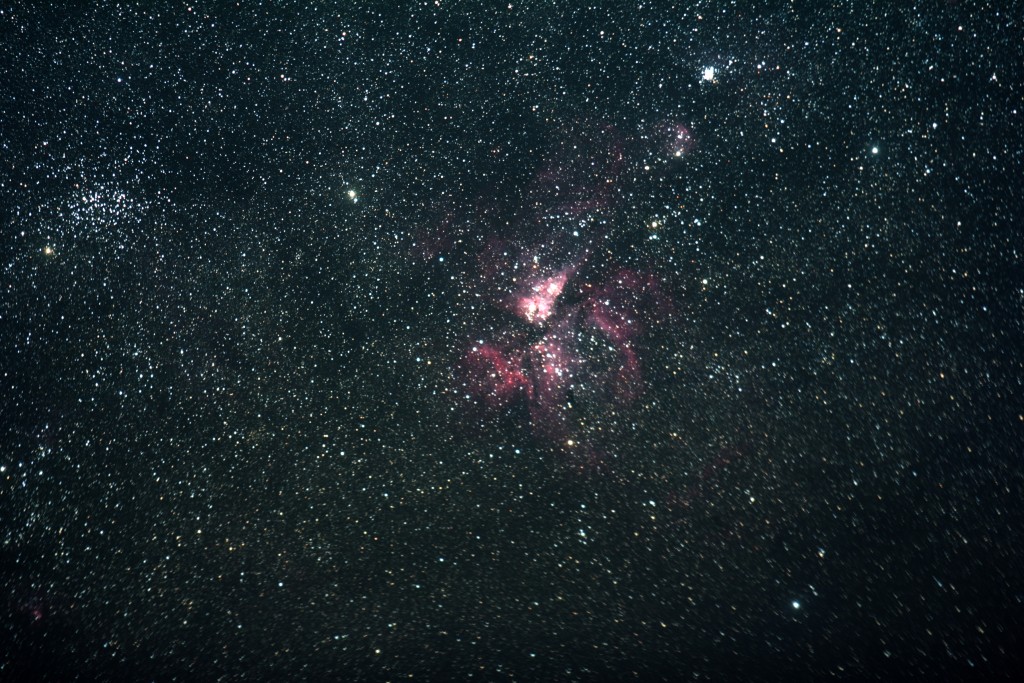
(550,355)
(544,372)
(621,304)
(495,375)
(580,173)
(552,368)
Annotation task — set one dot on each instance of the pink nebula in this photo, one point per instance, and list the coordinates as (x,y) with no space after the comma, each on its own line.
(539,302)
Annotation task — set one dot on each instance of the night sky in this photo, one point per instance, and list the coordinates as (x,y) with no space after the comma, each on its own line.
(511,341)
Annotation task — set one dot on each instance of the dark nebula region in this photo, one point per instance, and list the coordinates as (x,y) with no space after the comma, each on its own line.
(568,348)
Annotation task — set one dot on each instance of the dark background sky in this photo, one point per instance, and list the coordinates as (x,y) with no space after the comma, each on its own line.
(244,250)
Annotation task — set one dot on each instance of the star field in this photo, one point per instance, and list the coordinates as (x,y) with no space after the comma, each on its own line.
(436,341)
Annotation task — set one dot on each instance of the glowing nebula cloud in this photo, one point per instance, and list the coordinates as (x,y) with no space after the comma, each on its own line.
(568,351)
